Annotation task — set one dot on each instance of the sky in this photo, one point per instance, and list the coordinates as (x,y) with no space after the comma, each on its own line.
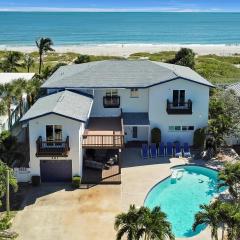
(121,5)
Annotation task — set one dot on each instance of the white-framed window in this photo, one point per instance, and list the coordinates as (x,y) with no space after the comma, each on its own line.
(180,128)
(53,133)
(134,93)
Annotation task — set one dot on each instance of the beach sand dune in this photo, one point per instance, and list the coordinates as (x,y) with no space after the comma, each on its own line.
(125,50)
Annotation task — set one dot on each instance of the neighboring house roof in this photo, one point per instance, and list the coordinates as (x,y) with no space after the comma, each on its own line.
(65,103)
(135,118)
(235,87)
(120,74)
(9,77)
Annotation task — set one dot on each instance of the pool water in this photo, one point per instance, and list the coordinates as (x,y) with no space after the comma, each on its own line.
(180,198)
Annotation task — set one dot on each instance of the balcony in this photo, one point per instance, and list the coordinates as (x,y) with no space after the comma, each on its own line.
(181,108)
(52,148)
(111,101)
(104,133)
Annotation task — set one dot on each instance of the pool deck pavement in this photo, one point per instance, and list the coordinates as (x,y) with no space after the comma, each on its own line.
(140,175)
(59,212)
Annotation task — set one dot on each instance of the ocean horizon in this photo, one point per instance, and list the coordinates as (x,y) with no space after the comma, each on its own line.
(98,28)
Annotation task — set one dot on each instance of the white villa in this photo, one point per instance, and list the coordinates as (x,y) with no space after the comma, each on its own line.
(92,110)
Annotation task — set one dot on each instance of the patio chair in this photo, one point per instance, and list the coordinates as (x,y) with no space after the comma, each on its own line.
(186,150)
(169,149)
(178,150)
(161,150)
(153,150)
(144,151)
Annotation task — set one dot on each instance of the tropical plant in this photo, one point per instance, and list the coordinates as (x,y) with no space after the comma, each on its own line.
(44,45)
(224,115)
(32,89)
(28,61)
(209,215)
(230,177)
(184,57)
(230,216)
(19,88)
(3,176)
(143,223)
(199,137)
(10,62)
(154,224)
(7,95)
(9,148)
(82,59)
(3,108)
(128,224)
(156,135)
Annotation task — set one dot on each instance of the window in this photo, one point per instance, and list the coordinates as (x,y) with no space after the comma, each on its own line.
(178,98)
(111,100)
(180,128)
(54,133)
(134,132)
(134,93)
(177,128)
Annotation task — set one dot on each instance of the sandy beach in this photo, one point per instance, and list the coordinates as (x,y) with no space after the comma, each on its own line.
(125,50)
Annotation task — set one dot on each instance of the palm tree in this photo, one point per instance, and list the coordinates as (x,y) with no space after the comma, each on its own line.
(230,177)
(3,107)
(19,88)
(28,61)
(44,45)
(154,224)
(128,224)
(11,62)
(7,95)
(230,215)
(210,216)
(32,90)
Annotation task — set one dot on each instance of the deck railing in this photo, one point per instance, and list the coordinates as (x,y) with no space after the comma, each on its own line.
(52,148)
(181,108)
(114,141)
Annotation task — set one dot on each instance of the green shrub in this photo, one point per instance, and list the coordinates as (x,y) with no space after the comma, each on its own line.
(76,181)
(199,138)
(36,180)
(156,135)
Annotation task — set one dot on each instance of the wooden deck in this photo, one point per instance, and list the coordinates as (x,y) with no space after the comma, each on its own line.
(104,132)
(106,176)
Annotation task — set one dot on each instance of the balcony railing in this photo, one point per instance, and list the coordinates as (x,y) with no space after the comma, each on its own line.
(181,108)
(111,101)
(103,141)
(52,148)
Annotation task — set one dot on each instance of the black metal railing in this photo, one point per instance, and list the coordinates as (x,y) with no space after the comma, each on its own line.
(52,148)
(179,108)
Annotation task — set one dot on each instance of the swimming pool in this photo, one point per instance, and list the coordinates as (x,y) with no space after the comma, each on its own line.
(179,196)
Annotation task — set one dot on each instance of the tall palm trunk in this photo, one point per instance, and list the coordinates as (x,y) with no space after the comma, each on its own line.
(40,63)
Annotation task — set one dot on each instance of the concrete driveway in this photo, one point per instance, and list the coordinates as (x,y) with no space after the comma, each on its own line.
(56,212)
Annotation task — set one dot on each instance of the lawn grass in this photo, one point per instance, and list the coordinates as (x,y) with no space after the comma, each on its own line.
(216,69)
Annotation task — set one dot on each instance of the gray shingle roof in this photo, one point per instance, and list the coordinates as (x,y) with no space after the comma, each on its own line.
(138,118)
(65,103)
(235,87)
(117,74)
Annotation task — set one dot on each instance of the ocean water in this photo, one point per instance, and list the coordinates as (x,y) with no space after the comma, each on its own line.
(180,199)
(68,28)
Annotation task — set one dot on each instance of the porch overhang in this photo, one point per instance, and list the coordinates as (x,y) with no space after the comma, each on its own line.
(104,133)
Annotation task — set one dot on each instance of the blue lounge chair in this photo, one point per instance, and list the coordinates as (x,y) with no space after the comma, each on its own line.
(161,150)
(186,150)
(178,150)
(153,150)
(144,151)
(169,149)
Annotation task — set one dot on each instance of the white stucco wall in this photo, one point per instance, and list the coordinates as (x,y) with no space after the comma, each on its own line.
(158,116)
(142,133)
(127,103)
(71,128)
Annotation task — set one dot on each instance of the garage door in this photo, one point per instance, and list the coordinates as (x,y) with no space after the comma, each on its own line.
(56,170)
